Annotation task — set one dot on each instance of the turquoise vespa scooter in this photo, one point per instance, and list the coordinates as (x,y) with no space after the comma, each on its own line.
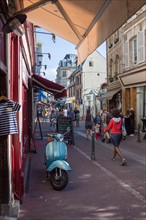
(56,161)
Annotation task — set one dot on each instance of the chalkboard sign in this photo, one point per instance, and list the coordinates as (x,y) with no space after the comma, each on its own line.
(63,123)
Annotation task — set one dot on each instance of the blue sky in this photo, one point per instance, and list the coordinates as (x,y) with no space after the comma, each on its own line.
(58,50)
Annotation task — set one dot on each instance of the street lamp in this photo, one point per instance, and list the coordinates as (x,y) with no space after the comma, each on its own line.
(45,66)
(35,69)
(42,32)
(14,24)
(41,72)
(41,54)
(53,35)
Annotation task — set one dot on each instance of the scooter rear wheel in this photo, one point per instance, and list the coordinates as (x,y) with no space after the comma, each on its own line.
(59,183)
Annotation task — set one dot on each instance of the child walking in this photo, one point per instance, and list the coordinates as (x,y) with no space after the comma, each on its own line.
(97,131)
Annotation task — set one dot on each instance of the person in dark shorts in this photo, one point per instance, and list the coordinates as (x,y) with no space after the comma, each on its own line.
(115,125)
(88,123)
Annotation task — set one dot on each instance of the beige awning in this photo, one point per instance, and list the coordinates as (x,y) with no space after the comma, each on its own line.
(85,23)
(109,95)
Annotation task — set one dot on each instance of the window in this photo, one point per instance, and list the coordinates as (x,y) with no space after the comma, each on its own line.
(110,42)
(117,64)
(111,67)
(133,50)
(90,63)
(77,80)
(64,74)
(116,36)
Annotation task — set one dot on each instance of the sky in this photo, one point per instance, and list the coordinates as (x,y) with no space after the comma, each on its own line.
(58,50)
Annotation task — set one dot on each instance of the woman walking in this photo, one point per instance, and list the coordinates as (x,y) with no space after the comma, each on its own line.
(88,124)
(115,125)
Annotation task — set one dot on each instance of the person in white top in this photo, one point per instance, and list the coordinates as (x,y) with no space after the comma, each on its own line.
(65,112)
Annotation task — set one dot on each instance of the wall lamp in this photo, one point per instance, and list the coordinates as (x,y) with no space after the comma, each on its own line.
(41,54)
(41,32)
(41,72)
(14,24)
(34,70)
(45,66)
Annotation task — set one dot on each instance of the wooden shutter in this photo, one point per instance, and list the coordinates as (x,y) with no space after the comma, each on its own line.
(141,46)
(126,53)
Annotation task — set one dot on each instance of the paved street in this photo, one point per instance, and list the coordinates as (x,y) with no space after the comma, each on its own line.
(98,189)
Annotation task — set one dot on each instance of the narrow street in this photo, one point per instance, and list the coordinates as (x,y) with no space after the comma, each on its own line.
(98,189)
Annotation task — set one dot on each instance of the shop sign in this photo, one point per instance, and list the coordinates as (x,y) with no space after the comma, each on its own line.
(80,101)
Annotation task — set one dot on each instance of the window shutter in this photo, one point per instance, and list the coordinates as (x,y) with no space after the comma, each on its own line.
(141,46)
(126,53)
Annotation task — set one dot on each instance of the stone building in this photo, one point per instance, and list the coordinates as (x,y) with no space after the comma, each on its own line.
(133,78)
(126,67)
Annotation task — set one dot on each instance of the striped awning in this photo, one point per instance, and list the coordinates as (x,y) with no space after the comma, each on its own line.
(41,83)
(109,94)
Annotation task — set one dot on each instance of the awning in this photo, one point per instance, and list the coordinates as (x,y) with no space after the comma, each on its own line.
(85,23)
(109,95)
(57,90)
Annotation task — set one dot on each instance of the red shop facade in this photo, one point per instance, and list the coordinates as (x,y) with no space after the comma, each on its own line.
(16,61)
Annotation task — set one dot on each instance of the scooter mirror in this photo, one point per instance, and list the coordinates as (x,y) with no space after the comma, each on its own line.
(68,129)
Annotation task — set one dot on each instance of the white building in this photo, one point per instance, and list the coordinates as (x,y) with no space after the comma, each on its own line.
(65,69)
(85,79)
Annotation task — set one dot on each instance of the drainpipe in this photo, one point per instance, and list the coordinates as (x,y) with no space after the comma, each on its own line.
(144,100)
(9,152)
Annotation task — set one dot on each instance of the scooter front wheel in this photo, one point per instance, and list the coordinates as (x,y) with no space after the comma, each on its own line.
(58,180)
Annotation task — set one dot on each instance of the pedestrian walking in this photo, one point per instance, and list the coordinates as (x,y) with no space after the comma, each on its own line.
(115,125)
(97,121)
(77,117)
(132,119)
(71,113)
(44,114)
(97,131)
(104,125)
(88,123)
(65,112)
(53,120)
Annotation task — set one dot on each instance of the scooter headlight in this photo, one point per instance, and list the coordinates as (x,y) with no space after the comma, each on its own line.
(61,138)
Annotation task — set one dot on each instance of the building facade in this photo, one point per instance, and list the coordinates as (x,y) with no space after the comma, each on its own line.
(66,67)
(126,67)
(84,80)
(133,79)
(16,61)
(113,97)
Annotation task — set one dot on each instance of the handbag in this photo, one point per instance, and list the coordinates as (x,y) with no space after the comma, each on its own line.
(124,132)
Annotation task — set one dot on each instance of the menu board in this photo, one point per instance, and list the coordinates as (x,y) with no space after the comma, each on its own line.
(63,125)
